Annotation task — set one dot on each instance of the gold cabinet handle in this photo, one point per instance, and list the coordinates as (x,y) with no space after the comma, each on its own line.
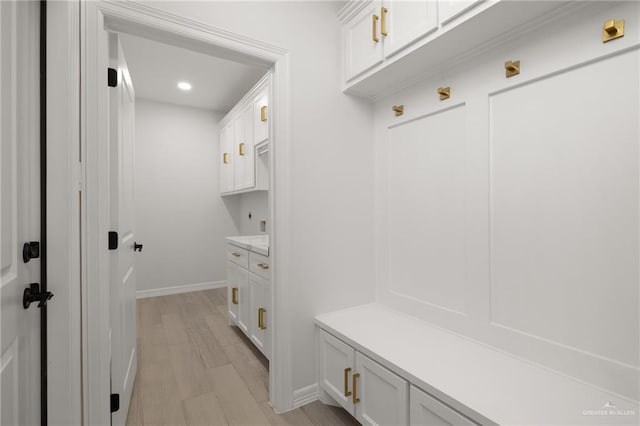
(263,113)
(234,295)
(374,29)
(383,21)
(241,148)
(263,265)
(225,158)
(355,388)
(261,325)
(235,254)
(347,392)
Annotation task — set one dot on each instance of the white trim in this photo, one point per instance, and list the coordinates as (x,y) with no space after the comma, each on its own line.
(305,395)
(178,289)
(142,20)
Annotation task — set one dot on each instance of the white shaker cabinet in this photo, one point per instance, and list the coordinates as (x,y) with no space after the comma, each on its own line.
(226,154)
(428,411)
(450,9)
(261,116)
(244,157)
(362,44)
(367,390)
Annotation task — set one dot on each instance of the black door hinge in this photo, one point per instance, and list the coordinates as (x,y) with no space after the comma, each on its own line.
(33,294)
(30,250)
(113,240)
(115,402)
(112,77)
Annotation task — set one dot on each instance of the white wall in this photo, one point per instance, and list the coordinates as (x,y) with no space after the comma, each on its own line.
(332,216)
(256,203)
(180,217)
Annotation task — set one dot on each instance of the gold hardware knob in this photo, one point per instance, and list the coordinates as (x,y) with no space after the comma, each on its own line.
(346,381)
(225,158)
(374,29)
(263,265)
(444,92)
(612,29)
(234,296)
(398,109)
(355,388)
(261,325)
(235,254)
(383,21)
(241,148)
(512,68)
(263,113)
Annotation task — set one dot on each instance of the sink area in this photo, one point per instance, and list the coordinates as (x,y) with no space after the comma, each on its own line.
(256,243)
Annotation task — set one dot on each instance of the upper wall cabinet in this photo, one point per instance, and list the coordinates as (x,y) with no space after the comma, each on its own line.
(381,29)
(244,133)
(387,43)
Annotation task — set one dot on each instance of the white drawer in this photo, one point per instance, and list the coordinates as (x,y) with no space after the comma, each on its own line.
(259,265)
(238,255)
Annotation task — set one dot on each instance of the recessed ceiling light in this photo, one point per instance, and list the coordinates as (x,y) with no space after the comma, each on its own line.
(183,85)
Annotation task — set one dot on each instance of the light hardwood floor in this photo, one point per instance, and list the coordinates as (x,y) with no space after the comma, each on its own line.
(194,369)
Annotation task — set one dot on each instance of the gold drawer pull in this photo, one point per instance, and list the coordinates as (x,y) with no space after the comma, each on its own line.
(347,392)
(261,325)
(235,254)
(374,29)
(355,388)
(263,265)
(241,148)
(263,113)
(234,296)
(225,158)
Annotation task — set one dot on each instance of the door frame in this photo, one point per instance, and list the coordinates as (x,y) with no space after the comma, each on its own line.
(88,115)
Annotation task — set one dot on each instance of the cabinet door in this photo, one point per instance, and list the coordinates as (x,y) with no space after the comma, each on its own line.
(261,116)
(337,362)
(238,278)
(243,168)
(258,312)
(449,9)
(233,288)
(405,22)
(226,158)
(383,395)
(428,411)
(361,50)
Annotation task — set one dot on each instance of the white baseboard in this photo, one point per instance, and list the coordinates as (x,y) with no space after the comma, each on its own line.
(305,395)
(187,288)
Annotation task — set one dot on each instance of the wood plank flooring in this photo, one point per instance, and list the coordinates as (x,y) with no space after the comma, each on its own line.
(194,369)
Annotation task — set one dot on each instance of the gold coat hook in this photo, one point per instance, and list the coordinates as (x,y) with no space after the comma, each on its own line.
(444,92)
(512,68)
(398,109)
(612,30)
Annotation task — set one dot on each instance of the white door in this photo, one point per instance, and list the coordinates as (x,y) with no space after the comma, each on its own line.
(258,312)
(226,158)
(243,167)
(382,397)
(232,284)
(405,22)
(428,411)
(122,272)
(19,215)
(336,369)
(260,116)
(362,40)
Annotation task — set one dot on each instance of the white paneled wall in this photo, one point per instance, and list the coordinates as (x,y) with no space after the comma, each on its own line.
(180,217)
(509,212)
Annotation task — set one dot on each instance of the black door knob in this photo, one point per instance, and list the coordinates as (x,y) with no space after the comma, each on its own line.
(137,247)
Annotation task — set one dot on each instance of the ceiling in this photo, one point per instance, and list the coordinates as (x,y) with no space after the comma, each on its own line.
(156,68)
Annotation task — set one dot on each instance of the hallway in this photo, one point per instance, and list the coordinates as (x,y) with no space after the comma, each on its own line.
(193,369)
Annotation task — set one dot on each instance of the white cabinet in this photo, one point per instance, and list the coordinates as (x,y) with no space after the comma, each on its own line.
(449,9)
(370,392)
(381,29)
(249,295)
(244,128)
(428,411)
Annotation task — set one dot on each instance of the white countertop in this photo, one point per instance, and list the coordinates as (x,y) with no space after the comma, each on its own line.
(255,243)
(479,381)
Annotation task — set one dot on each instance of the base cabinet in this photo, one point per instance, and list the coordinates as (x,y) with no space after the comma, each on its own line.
(366,389)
